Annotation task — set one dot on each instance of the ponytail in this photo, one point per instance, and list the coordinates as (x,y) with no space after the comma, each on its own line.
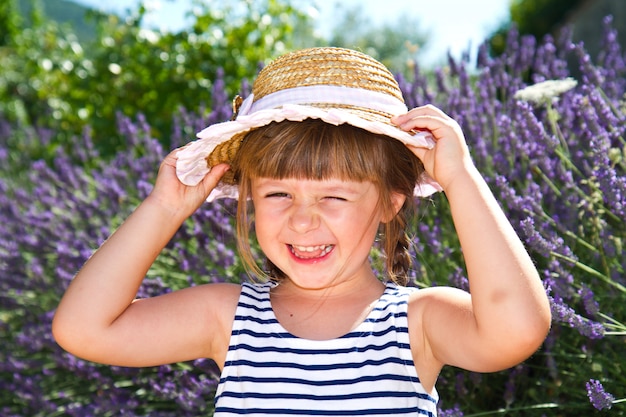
(396,246)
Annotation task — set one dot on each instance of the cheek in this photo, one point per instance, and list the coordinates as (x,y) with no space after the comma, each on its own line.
(266,219)
(362,225)
(262,241)
(265,229)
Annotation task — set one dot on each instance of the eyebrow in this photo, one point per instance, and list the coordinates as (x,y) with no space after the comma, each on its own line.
(339,189)
(325,189)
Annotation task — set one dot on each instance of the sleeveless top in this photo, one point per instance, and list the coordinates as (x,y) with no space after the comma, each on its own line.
(367,372)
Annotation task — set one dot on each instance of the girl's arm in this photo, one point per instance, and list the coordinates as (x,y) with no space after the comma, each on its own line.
(99,319)
(507,315)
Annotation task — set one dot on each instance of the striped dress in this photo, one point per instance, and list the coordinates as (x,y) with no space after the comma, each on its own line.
(367,372)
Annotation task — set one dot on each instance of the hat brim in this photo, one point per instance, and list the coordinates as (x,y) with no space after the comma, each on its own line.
(191,164)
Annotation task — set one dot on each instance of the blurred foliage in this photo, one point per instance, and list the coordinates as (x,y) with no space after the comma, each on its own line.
(396,44)
(9,22)
(50,79)
(65,12)
(533,17)
(54,78)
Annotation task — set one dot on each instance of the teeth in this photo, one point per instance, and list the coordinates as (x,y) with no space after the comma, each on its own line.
(310,249)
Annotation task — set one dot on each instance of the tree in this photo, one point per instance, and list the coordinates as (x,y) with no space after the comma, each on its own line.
(395,45)
(534,17)
(54,79)
(51,79)
(9,22)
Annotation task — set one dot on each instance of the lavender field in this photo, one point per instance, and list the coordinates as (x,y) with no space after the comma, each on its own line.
(554,155)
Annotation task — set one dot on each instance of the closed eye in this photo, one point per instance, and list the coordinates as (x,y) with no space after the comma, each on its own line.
(276,195)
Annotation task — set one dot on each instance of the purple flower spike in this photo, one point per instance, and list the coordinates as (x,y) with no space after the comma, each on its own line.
(598,396)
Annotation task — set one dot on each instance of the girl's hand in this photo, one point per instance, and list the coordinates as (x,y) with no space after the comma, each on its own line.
(177,197)
(450,156)
(99,319)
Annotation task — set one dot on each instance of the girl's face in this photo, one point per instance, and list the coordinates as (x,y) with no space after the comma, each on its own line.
(319,233)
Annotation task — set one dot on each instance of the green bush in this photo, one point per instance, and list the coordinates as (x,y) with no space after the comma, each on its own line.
(50,79)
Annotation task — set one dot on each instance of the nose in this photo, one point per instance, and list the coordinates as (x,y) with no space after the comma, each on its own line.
(303,218)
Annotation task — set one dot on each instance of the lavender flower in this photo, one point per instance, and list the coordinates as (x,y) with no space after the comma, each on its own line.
(567,315)
(599,398)
(591,305)
(509,386)
(451,412)
(590,73)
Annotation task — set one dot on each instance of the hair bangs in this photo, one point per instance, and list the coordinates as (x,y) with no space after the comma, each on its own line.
(310,149)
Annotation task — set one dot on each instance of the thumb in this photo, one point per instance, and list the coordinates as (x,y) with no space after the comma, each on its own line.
(426,156)
(419,151)
(214,176)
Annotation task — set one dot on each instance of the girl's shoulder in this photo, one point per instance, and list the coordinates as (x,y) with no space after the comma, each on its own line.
(220,299)
(225,297)
(229,290)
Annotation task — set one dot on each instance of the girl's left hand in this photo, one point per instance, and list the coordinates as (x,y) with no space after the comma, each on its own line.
(450,156)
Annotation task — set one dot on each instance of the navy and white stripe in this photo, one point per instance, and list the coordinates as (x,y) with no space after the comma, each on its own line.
(367,372)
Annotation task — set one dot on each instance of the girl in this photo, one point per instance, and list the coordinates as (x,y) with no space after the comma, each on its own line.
(324,157)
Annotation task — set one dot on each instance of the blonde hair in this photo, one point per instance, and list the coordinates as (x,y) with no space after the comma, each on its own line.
(315,150)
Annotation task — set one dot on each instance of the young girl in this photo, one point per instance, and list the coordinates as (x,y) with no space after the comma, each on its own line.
(324,159)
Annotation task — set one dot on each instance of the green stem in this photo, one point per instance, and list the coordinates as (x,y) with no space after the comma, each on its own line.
(565,159)
(612,322)
(510,410)
(567,233)
(617,112)
(591,271)
(548,181)
(553,118)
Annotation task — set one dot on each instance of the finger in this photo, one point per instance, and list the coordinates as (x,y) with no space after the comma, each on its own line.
(431,110)
(418,151)
(427,110)
(214,176)
(434,124)
(171,158)
(173,154)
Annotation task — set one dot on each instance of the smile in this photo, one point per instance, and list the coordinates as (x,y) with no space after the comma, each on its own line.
(310,252)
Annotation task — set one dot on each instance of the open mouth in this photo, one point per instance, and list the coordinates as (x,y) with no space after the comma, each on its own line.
(310,252)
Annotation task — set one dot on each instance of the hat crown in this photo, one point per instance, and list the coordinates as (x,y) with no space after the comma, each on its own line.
(326,66)
(335,85)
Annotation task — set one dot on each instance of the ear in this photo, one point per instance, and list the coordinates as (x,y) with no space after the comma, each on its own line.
(397,201)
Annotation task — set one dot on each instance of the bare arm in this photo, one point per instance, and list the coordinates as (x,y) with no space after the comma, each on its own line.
(507,316)
(98,318)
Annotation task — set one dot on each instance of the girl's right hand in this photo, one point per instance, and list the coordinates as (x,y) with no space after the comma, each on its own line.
(177,197)
(99,319)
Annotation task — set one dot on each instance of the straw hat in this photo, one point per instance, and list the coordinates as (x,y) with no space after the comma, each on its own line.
(331,84)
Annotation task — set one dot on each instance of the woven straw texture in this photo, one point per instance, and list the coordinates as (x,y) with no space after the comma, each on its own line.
(325,66)
(311,67)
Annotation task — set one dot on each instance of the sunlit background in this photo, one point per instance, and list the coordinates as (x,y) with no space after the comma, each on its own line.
(450,25)
(90,101)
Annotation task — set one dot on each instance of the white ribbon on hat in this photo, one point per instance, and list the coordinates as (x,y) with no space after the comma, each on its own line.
(294,104)
(327,94)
